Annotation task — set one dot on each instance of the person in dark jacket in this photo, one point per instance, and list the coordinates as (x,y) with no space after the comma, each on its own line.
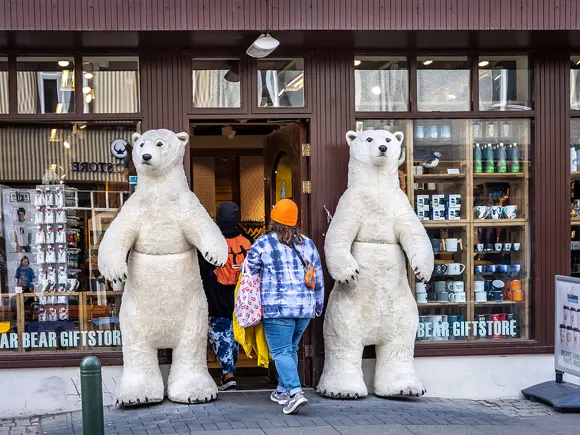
(219,285)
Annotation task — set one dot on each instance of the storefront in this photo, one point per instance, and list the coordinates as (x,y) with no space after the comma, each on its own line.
(490,119)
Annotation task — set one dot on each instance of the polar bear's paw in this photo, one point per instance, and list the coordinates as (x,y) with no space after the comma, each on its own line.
(407,385)
(113,270)
(338,389)
(348,273)
(139,390)
(422,269)
(215,257)
(194,388)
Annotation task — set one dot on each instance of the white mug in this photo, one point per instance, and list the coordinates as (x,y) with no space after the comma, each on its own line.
(479,286)
(455,269)
(420,287)
(495,211)
(510,211)
(480,296)
(457,297)
(455,287)
(421,298)
(516,246)
(452,245)
(118,285)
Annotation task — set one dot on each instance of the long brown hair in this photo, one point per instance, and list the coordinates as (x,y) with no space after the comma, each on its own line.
(286,234)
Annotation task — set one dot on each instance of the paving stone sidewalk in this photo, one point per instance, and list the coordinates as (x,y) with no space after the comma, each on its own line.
(252,413)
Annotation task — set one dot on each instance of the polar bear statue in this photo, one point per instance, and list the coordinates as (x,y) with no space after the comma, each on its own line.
(371,304)
(164,305)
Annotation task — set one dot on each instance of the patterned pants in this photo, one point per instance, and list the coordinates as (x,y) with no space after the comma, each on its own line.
(226,348)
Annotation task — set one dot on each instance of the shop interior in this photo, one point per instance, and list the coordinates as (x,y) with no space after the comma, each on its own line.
(227,164)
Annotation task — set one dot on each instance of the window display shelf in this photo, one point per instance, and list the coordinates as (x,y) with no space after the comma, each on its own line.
(441,304)
(445,224)
(432,178)
(575,220)
(499,177)
(500,222)
(490,303)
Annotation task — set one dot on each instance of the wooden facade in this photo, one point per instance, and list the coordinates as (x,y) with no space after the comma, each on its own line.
(166,34)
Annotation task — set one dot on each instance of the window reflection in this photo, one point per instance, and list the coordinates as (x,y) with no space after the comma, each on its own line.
(381,84)
(4,85)
(443,84)
(575,83)
(281,82)
(216,83)
(46,85)
(504,83)
(111,84)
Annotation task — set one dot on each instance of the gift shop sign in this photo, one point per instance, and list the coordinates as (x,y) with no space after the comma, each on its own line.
(567,325)
(48,339)
(97,167)
(464,329)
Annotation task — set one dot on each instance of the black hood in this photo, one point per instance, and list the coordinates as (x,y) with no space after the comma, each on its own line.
(228,218)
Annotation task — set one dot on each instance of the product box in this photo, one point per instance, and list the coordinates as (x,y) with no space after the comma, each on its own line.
(438,213)
(453,200)
(424,213)
(422,201)
(453,213)
(438,201)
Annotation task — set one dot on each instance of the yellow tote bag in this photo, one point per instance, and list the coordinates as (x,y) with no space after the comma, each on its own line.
(252,339)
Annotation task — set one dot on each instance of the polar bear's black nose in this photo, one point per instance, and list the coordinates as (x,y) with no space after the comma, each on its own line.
(147,157)
(383,149)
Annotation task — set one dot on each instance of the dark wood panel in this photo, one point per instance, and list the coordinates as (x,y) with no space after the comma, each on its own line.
(157,15)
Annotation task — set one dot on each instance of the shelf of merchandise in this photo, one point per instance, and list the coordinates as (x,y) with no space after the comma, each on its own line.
(518,181)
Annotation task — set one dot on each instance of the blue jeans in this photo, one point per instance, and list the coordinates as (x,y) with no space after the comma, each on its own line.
(283,336)
(225,346)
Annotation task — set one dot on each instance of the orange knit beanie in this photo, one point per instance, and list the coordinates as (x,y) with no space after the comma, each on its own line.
(285,212)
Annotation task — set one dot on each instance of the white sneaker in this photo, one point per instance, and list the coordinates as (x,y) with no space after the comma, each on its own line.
(280,398)
(295,404)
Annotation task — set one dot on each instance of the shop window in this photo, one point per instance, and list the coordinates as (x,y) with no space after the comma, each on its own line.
(216,83)
(46,85)
(4,85)
(575,82)
(504,83)
(381,84)
(443,84)
(111,84)
(55,209)
(469,181)
(575,195)
(280,82)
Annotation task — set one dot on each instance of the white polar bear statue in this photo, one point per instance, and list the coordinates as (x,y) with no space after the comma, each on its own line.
(164,305)
(371,303)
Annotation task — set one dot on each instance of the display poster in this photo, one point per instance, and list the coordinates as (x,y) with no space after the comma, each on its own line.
(567,340)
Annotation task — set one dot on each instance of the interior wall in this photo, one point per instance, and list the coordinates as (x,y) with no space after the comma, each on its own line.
(204,182)
(252,188)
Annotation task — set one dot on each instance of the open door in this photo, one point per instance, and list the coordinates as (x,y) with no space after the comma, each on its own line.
(286,176)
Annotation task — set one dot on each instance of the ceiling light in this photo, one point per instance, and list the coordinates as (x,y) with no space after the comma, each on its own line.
(262,46)
(357,62)
(88,75)
(427,62)
(87,90)
(233,75)
(88,98)
(578,62)
(376,90)
(483,63)
(63,63)
(66,144)
(83,126)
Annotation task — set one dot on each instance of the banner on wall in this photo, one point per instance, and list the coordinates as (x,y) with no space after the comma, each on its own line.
(567,340)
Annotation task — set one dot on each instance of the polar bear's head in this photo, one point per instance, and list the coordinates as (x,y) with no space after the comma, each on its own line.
(157,152)
(377,147)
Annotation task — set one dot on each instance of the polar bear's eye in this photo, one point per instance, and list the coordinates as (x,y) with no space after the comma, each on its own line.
(369,139)
(142,144)
(159,144)
(388,140)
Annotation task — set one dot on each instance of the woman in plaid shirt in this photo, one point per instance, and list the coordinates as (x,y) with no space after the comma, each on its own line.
(288,303)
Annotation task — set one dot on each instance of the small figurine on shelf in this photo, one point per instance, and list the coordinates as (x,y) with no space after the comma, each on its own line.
(430,162)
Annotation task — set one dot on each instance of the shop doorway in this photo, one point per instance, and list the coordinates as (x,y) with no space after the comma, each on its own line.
(253,163)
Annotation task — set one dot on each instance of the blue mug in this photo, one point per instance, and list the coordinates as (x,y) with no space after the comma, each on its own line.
(515,268)
(478,269)
(502,268)
(490,268)
(496,295)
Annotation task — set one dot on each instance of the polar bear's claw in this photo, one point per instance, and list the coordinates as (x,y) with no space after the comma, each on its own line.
(339,395)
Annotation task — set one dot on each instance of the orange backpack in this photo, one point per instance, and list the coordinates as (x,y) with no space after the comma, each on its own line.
(238,248)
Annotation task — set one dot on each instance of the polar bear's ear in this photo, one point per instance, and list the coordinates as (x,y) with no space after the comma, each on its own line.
(399,135)
(350,137)
(183,137)
(135,137)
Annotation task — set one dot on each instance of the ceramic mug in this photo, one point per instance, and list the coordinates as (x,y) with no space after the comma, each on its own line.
(495,211)
(440,269)
(420,287)
(457,297)
(502,268)
(421,298)
(118,286)
(440,286)
(516,246)
(517,295)
(456,287)
(452,245)
(479,286)
(509,211)
(515,268)
(490,268)
(480,297)
(498,247)
(436,244)
(481,212)
(455,269)
(480,247)
(478,269)
(443,297)
(507,247)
